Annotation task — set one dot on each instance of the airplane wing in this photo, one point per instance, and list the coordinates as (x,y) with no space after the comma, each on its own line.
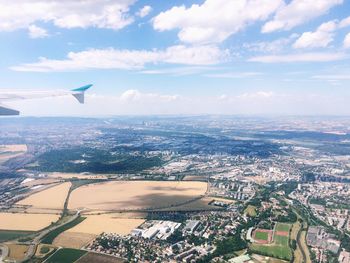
(78,93)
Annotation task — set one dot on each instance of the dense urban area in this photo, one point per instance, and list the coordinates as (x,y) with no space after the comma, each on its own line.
(175,189)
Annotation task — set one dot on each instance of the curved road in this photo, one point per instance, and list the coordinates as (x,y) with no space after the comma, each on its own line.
(32,247)
(4,252)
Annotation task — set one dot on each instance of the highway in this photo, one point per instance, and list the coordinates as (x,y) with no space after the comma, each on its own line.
(32,247)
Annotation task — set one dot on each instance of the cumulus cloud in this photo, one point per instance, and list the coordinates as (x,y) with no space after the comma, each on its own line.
(128,59)
(347,41)
(144,11)
(298,12)
(37,32)
(300,57)
(214,20)
(322,37)
(344,22)
(65,14)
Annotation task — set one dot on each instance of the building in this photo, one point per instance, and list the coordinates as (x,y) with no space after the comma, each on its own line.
(191,226)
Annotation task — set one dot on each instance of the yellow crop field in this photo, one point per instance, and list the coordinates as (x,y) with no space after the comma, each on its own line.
(125,195)
(10,151)
(28,222)
(73,240)
(16,252)
(51,198)
(112,223)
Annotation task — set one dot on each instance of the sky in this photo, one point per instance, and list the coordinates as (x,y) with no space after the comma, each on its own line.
(260,57)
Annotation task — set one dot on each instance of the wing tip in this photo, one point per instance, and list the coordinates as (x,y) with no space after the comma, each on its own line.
(83,88)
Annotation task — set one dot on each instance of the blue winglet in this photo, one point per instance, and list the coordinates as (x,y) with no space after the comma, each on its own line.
(83,88)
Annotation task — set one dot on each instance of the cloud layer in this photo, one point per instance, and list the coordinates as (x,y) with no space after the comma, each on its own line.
(128,59)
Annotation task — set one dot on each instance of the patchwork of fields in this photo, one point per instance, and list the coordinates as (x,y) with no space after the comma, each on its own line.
(11,151)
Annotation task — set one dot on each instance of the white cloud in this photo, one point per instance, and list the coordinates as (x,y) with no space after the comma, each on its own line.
(214,20)
(347,41)
(257,95)
(345,22)
(137,96)
(234,75)
(65,14)
(300,57)
(178,71)
(322,37)
(140,102)
(128,59)
(335,77)
(37,32)
(270,46)
(144,11)
(298,12)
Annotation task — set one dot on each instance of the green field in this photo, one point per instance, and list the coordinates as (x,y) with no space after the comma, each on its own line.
(48,239)
(281,240)
(66,255)
(6,235)
(261,235)
(281,252)
(283,227)
(280,247)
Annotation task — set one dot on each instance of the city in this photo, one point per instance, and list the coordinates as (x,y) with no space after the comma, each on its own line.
(212,195)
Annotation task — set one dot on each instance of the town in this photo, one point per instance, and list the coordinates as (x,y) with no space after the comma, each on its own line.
(165,196)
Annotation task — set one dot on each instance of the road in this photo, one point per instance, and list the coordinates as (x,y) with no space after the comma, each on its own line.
(4,252)
(32,247)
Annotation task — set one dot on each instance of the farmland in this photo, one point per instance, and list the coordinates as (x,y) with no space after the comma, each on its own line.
(133,195)
(51,198)
(94,257)
(26,222)
(72,239)
(6,235)
(49,238)
(10,151)
(66,255)
(96,224)
(17,252)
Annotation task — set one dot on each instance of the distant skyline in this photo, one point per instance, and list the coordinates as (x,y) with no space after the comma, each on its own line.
(179,57)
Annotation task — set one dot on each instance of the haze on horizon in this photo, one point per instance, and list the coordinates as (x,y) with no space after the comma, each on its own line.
(178,57)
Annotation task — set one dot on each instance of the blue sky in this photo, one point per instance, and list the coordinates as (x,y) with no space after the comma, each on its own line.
(179,57)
